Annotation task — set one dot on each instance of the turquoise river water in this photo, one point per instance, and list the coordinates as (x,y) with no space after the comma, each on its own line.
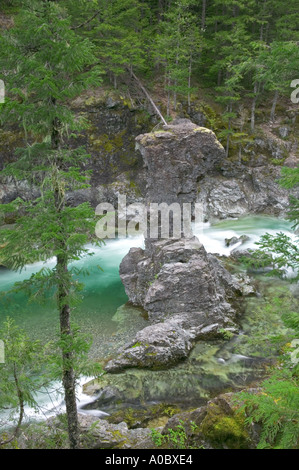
(103,293)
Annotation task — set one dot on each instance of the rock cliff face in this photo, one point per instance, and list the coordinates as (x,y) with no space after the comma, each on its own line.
(187,292)
(238,192)
(110,140)
(250,184)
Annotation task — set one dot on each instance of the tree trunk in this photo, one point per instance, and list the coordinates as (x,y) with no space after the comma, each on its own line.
(189,84)
(266,33)
(168,99)
(227,142)
(68,375)
(21,401)
(160,11)
(261,32)
(175,82)
(229,128)
(63,287)
(148,97)
(20,395)
(252,120)
(219,77)
(203,14)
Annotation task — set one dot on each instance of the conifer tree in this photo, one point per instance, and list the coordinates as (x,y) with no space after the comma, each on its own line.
(178,46)
(21,376)
(46,65)
(120,36)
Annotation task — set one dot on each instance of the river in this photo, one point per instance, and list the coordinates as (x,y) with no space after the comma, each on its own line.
(103,292)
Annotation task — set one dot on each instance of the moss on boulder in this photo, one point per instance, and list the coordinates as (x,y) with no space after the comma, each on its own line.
(223,429)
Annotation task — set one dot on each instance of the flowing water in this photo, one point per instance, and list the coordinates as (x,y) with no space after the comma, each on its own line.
(103,293)
(213,236)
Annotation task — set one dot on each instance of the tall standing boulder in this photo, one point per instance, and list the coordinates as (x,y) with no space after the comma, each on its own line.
(186,292)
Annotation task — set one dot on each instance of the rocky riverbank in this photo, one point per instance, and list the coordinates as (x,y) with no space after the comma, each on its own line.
(218,424)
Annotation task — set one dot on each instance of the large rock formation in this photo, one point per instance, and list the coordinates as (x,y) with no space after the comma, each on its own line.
(176,158)
(187,292)
(177,276)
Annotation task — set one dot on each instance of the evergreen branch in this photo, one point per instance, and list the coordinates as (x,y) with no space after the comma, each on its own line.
(87,21)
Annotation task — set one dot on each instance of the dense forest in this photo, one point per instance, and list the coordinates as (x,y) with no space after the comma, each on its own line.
(242,54)
(230,67)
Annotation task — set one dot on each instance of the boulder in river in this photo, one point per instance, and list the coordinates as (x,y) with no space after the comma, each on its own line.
(187,293)
(234,240)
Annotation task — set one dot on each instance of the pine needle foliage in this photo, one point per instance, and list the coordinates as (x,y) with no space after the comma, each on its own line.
(46,65)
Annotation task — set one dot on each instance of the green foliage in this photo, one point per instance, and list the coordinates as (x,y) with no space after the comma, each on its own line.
(239,49)
(120,35)
(54,65)
(176,438)
(276,252)
(290,177)
(177,48)
(46,52)
(46,64)
(30,367)
(280,253)
(48,435)
(23,357)
(226,334)
(276,407)
(78,344)
(269,323)
(21,376)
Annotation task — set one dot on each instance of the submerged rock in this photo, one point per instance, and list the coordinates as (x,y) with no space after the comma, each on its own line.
(154,347)
(234,240)
(142,417)
(210,368)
